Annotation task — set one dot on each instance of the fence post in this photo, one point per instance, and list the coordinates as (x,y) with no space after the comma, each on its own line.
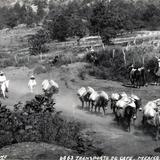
(103,46)
(15,57)
(143,59)
(113,53)
(28,57)
(124,56)
(134,41)
(41,56)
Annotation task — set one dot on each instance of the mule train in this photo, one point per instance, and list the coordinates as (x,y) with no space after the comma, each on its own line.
(140,76)
(93,98)
(124,107)
(137,76)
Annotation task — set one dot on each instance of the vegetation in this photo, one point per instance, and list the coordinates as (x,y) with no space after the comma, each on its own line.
(37,42)
(38,121)
(80,18)
(106,66)
(11,17)
(77,19)
(103,18)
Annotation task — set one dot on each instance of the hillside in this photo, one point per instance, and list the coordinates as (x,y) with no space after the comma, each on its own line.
(15,40)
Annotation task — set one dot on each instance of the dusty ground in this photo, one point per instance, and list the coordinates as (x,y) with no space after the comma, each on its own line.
(104,131)
(34,151)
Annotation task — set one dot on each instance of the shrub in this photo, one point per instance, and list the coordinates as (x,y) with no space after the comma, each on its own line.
(82,74)
(40,69)
(37,42)
(105,66)
(64,59)
(38,121)
(7,62)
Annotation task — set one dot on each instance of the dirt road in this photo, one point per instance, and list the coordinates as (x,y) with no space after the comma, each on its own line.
(104,131)
(113,139)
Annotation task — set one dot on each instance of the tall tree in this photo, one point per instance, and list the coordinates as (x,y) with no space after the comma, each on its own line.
(108,19)
(41,4)
(57,24)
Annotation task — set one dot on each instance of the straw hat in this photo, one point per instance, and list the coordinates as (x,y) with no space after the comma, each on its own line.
(1,72)
(32,77)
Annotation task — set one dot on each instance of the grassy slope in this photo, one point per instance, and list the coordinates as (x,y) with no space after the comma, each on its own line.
(15,39)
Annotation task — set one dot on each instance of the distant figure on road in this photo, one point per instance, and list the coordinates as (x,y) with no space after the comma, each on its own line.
(92,50)
(32,83)
(3,79)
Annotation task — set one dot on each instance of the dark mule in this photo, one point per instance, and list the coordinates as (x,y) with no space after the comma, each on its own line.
(142,71)
(138,104)
(85,99)
(137,77)
(125,115)
(101,103)
(156,78)
(129,114)
(113,105)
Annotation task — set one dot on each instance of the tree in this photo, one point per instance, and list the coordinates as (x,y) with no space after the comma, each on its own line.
(3,13)
(57,25)
(11,18)
(97,17)
(23,14)
(37,42)
(151,16)
(30,16)
(108,19)
(41,4)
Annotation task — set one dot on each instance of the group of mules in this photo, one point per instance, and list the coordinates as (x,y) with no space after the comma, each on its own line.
(125,107)
(93,99)
(140,76)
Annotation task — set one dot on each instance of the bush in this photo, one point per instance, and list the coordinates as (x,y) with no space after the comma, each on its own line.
(63,59)
(37,42)
(38,121)
(82,74)
(40,69)
(105,66)
(7,62)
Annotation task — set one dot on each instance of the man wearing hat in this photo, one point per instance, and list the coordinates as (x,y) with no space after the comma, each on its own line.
(3,79)
(32,83)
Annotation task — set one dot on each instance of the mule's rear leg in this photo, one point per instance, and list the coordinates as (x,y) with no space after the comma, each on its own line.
(129,125)
(82,102)
(104,110)
(157,133)
(92,105)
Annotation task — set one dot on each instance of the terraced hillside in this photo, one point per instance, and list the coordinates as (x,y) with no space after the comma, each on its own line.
(15,40)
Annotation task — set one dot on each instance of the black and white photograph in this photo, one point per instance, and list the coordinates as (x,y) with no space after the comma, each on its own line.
(79,79)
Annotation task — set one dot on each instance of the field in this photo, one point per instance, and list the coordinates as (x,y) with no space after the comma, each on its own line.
(101,129)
